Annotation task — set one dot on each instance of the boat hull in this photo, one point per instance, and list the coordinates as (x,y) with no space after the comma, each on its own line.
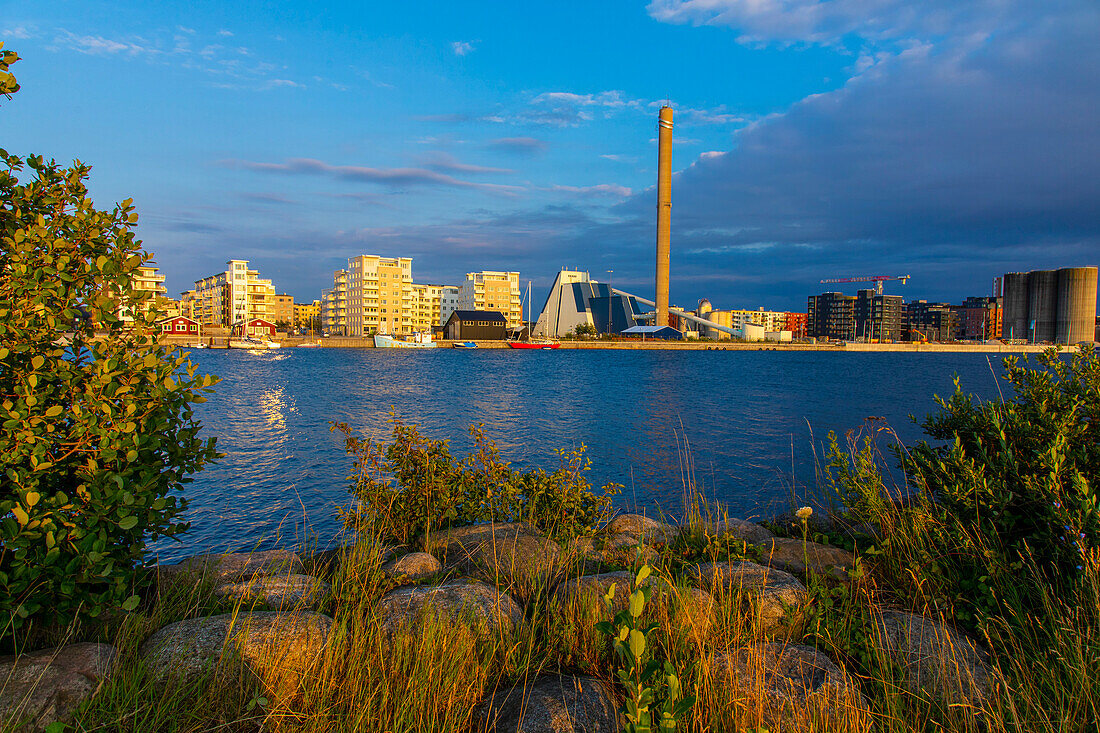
(465,345)
(532,345)
(383,341)
(252,344)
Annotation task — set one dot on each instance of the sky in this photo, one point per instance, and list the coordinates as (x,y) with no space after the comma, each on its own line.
(950,141)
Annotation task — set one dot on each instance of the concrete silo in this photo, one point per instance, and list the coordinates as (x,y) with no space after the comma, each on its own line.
(1076,316)
(1014,322)
(1042,304)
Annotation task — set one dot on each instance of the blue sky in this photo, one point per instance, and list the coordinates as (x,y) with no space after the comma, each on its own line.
(950,141)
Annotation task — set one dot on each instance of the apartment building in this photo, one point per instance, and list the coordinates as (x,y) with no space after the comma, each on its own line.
(283,313)
(491,290)
(878,317)
(831,316)
(231,298)
(147,278)
(379,295)
(424,307)
(307,314)
(450,298)
(334,305)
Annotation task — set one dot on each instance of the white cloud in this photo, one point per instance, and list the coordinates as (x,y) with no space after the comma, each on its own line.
(224,32)
(463,48)
(98,45)
(601,189)
(19,32)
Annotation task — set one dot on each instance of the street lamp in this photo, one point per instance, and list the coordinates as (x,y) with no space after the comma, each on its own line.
(609,301)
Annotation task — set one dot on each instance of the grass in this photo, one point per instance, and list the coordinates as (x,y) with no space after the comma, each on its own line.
(431,676)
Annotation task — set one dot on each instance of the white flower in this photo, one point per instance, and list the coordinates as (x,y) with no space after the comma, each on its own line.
(804,513)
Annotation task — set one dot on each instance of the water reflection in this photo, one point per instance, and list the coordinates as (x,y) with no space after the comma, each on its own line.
(740,412)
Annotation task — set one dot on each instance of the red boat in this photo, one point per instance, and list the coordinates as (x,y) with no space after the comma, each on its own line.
(533,344)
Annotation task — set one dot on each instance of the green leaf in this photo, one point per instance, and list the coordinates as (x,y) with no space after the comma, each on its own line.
(32,498)
(54,411)
(637,643)
(37,361)
(637,603)
(20,515)
(128,523)
(131,603)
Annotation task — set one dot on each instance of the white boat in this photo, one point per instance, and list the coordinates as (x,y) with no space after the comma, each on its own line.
(249,342)
(308,344)
(418,341)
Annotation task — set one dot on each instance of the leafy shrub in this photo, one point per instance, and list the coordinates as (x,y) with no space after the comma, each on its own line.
(1006,503)
(414,485)
(1021,475)
(98,430)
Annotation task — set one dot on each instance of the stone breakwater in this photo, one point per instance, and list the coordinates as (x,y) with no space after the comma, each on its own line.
(482,577)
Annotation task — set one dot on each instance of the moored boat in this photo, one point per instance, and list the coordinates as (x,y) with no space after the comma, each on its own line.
(418,341)
(465,344)
(533,344)
(251,343)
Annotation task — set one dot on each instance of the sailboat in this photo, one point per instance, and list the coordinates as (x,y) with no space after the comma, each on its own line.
(530,342)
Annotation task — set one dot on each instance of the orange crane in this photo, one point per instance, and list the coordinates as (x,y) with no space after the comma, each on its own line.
(878,280)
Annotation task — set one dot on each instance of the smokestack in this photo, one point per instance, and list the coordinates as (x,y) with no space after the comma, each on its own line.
(664,212)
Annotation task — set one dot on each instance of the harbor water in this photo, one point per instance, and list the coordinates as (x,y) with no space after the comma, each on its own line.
(741,426)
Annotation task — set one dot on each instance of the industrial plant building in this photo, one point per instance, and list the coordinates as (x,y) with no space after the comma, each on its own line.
(1050,306)
(575,299)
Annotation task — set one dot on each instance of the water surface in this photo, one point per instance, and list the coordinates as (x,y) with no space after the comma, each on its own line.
(746,417)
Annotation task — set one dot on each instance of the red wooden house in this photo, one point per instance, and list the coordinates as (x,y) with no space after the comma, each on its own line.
(259,327)
(180,326)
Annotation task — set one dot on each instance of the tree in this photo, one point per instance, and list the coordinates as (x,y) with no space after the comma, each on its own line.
(98,429)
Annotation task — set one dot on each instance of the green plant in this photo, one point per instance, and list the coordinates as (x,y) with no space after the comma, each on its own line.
(98,429)
(413,486)
(648,684)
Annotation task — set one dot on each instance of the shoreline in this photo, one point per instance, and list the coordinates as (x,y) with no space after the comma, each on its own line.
(347,342)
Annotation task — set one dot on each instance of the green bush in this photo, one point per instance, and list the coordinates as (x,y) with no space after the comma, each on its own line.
(98,430)
(1021,475)
(414,486)
(1006,505)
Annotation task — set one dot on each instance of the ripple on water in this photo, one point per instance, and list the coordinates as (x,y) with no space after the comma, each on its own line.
(739,415)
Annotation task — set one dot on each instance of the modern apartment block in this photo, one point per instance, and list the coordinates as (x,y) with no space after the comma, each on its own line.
(796,324)
(148,279)
(450,298)
(878,317)
(926,321)
(334,305)
(283,312)
(979,318)
(306,314)
(231,298)
(424,307)
(831,316)
(490,290)
(379,295)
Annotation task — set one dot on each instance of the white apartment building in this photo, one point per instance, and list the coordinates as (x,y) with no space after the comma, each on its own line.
(450,299)
(232,297)
(424,307)
(490,290)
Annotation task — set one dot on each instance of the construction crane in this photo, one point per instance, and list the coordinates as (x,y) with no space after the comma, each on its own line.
(878,280)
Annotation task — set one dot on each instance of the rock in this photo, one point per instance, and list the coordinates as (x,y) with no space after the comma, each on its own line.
(788,681)
(621,550)
(937,659)
(280,592)
(513,554)
(236,567)
(749,532)
(776,597)
(691,608)
(643,527)
(45,687)
(550,704)
(793,556)
(414,566)
(482,606)
(280,648)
